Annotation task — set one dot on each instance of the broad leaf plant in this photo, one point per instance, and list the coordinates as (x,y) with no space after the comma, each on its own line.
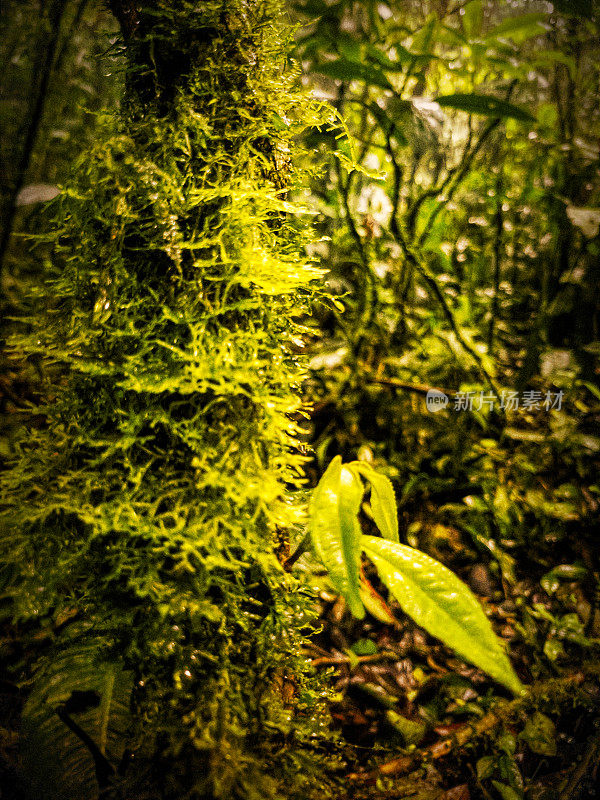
(426,590)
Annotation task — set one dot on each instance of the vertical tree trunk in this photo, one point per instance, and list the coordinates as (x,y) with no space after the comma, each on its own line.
(152,501)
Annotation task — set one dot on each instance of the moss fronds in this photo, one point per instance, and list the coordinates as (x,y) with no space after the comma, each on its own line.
(151,499)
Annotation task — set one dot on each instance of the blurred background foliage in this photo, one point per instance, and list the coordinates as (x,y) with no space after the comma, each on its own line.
(465,252)
(464,249)
(458,216)
(59,68)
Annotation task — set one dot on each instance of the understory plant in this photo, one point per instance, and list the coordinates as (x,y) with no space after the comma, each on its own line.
(146,514)
(425,589)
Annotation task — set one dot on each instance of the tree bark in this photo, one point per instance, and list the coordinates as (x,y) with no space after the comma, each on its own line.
(156,499)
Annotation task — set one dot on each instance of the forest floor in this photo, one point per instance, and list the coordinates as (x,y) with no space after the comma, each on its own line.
(416,722)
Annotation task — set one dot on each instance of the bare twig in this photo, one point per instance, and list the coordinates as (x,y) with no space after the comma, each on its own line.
(463,170)
(497,257)
(415,261)
(438,189)
(492,720)
(415,388)
(457,180)
(374,658)
(431,281)
(588,763)
(300,549)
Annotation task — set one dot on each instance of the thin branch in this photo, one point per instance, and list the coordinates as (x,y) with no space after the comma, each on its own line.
(463,170)
(368,306)
(302,547)
(437,190)
(398,179)
(415,388)
(431,281)
(375,658)
(459,176)
(496,256)
(492,720)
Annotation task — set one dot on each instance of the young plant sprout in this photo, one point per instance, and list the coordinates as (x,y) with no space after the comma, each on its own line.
(425,589)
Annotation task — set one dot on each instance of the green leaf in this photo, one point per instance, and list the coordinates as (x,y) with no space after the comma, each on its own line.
(349,48)
(335,530)
(97,694)
(364,647)
(450,36)
(540,735)
(506,792)
(412,732)
(520,27)
(345,70)
(547,58)
(375,605)
(383,500)
(486,767)
(553,649)
(472,18)
(441,603)
(421,40)
(590,387)
(484,104)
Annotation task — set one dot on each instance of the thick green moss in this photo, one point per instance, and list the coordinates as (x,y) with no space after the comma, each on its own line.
(154,497)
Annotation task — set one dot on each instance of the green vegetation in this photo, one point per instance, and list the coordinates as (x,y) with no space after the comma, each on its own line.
(382,285)
(142,520)
(424,588)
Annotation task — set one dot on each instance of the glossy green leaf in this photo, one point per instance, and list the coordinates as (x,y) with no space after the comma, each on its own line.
(335,530)
(344,70)
(484,104)
(383,500)
(441,603)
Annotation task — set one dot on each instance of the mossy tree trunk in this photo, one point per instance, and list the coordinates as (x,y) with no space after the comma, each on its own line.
(150,504)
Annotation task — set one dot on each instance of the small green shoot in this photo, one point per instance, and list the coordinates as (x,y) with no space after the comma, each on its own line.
(426,590)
